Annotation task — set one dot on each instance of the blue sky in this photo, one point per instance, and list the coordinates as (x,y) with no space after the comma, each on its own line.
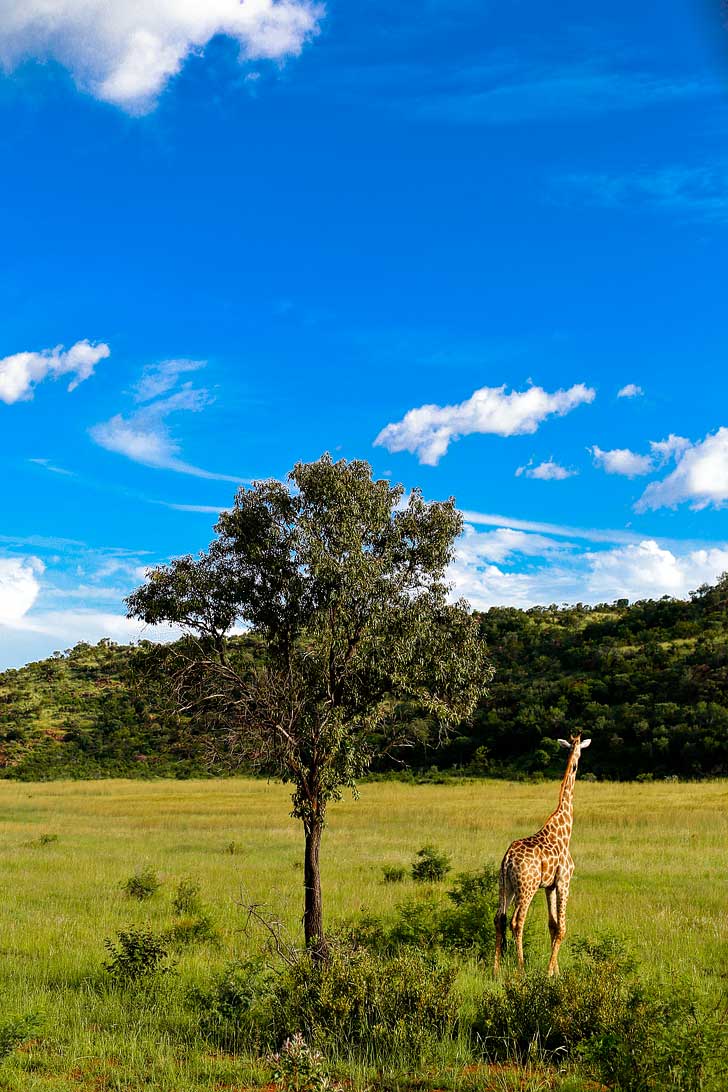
(482,247)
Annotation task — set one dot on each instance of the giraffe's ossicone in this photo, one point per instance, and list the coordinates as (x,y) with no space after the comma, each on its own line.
(541,860)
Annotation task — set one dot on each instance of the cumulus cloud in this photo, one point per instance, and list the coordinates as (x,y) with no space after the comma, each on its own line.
(648,571)
(630,391)
(699,478)
(548,471)
(125,51)
(19,587)
(428,430)
(620,460)
(144,436)
(20,373)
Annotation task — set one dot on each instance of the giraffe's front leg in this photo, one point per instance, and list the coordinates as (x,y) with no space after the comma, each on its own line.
(558,895)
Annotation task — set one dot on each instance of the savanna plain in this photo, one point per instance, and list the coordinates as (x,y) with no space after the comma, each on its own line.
(650,871)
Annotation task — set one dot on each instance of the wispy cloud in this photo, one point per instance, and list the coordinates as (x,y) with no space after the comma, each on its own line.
(144,436)
(157,379)
(631,390)
(126,51)
(49,466)
(692,192)
(21,372)
(564,92)
(210,509)
(428,430)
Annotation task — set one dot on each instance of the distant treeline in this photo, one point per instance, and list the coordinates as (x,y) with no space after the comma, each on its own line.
(648,681)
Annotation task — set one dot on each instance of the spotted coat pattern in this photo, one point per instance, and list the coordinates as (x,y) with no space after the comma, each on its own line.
(541,860)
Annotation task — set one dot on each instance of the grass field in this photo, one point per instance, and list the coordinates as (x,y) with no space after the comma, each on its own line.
(650,866)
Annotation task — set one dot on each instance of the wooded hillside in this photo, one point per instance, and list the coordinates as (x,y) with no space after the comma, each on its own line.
(648,680)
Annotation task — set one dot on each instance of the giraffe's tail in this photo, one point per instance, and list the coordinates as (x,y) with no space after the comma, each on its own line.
(501,917)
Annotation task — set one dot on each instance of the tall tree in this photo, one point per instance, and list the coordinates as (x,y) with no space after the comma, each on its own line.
(342,581)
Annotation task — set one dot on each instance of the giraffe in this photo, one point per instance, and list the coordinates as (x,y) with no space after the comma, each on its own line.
(541,860)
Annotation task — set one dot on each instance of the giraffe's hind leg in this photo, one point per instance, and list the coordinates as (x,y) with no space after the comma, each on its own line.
(551,906)
(524,899)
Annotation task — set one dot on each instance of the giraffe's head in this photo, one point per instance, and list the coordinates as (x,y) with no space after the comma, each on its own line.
(575,744)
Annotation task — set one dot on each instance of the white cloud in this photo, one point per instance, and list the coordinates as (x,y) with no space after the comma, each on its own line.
(663,450)
(125,51)
(210,509)
(19,587)
(620,460)
(548,471)
(700,477)
(648,571)
(428,430)
(144,436)
(510,568)
(630,391)
(20,373)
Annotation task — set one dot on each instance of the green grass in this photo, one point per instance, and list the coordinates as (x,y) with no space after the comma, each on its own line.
(650,866)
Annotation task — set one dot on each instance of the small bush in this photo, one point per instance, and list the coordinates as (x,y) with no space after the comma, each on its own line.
(47,839)
(16,1030)
(137,953)
(467,923)
(186,899)
(393,873)
(430,865)
(378,1006)
(233,848)
(142,885)
(298,1068)
(192,929)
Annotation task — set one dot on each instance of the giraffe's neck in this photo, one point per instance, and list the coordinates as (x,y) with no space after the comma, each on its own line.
(564,814)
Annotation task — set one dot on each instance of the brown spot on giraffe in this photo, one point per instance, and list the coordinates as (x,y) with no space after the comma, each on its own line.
(541,860)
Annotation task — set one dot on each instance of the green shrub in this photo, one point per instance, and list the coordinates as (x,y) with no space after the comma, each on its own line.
(467,923)
(430,865)
(15,1030)
(137,953)
(599,1015)
(393,873)
(464,922)
(142,885)
(236,1010)
(186,899)
(192,929)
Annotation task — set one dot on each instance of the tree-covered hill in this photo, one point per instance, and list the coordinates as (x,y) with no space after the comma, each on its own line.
(648,680)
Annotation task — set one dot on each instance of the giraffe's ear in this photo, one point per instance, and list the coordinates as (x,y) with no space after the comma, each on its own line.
(585,743)
(564,743)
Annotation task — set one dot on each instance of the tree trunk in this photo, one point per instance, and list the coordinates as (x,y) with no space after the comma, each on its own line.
(313,916)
